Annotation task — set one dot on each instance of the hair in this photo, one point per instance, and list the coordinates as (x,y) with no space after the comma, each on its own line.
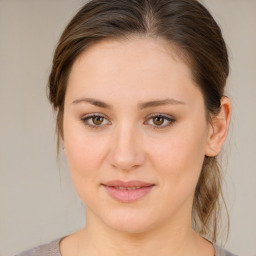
(188,26)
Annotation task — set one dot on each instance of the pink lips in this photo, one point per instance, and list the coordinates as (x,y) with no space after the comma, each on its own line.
(127,191)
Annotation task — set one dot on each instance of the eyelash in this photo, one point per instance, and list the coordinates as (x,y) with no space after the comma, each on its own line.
(170,119)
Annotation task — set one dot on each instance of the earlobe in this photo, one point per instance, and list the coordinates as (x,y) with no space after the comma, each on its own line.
(218,128)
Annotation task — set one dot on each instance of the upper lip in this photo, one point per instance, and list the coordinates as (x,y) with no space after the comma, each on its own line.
(127,184)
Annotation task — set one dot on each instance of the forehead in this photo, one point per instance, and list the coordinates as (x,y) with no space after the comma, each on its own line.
(135,46)
(136,66)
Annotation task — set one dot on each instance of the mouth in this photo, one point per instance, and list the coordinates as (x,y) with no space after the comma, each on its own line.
(126,188)
(127,191)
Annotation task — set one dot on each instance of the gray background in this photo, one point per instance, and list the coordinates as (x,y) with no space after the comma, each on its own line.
(37,200)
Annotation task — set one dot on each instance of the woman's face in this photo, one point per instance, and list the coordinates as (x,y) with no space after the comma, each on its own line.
(135,134)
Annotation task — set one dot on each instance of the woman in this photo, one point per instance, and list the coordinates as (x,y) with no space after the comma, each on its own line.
(138,86)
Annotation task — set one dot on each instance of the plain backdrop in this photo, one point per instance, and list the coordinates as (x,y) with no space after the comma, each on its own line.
(37,200)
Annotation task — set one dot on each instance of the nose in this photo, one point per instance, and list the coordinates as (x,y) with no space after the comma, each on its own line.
(126,151)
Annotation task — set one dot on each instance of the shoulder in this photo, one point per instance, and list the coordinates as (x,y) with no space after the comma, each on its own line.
(49,249)
(222,252)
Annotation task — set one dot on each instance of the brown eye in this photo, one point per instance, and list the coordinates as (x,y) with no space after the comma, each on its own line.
(158,120)
(97,120)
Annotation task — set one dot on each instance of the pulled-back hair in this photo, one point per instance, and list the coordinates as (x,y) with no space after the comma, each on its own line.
(197,38)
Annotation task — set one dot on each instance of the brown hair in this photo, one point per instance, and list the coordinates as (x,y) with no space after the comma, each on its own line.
(187,25)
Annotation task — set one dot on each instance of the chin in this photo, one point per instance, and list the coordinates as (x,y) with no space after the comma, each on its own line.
(130,222)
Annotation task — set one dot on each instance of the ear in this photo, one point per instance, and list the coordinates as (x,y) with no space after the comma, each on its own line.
(218,128)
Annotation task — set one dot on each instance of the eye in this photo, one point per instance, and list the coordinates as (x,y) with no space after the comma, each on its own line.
(94,120)
(159,121)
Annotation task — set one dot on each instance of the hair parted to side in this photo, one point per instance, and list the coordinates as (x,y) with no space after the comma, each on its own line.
(188,26)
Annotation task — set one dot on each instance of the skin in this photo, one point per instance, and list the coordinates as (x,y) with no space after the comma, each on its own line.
(129,145)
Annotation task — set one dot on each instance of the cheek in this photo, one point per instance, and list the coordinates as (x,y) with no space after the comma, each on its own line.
(179,158)
(85,156)
(84,152)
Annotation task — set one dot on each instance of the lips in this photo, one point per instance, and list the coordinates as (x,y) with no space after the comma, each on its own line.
(127,191)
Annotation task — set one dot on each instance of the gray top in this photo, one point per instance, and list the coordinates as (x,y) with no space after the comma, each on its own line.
(53,249)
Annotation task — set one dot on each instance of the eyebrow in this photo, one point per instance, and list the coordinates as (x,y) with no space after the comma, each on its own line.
(143,105)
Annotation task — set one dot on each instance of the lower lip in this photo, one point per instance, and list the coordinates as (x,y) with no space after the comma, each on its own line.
(127,196)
